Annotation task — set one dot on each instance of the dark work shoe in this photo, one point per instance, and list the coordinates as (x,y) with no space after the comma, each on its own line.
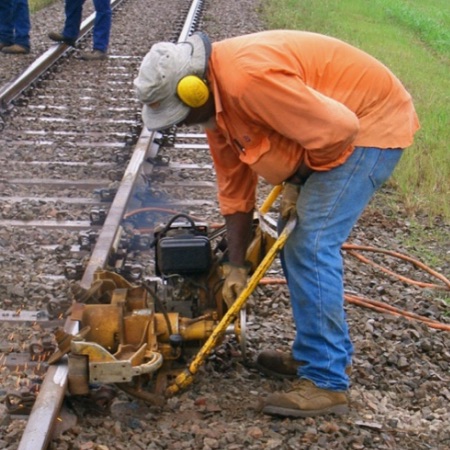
(277,364)
(58,37)
(93,56)
(16,49)
(281,365)
(306,400)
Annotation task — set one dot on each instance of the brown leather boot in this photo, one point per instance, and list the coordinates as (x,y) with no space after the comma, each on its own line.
(277,364)
(93,56)
(306,400)
(16,49)
(59,37)
(281,364)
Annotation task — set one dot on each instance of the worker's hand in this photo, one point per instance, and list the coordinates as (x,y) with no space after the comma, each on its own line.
(288,203)
(234,283)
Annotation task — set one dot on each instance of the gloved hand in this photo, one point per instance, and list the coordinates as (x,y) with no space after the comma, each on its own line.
(288,203)
(234,283)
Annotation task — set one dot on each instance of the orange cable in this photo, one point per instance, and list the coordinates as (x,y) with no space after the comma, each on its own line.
(394,274)
(413,261)
(148,209)
(383,307)
(360,301)
(165,210)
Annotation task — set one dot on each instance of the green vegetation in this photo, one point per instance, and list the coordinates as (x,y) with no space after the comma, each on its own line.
(36,5)
(412,37)
(422,241)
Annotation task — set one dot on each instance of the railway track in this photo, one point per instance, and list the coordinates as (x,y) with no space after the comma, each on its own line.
(83,187)
(85,123)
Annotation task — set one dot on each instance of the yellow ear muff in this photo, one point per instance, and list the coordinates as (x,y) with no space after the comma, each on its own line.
(193,91)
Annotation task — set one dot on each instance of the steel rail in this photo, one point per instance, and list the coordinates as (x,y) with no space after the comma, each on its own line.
(11,91)
(38,431)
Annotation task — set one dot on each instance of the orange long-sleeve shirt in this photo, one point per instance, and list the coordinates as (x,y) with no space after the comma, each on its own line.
(283,97)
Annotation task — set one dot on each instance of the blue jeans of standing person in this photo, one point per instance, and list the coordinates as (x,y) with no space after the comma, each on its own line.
(15,23)
(102,22)
(328,206)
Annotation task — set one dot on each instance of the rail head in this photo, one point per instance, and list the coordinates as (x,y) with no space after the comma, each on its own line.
(37,434)
(11,91)
(38,431)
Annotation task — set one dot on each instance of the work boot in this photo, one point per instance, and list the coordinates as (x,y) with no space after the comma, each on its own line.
(94,55)
(281,365)
(2,45)
(306,400)
(277,364)
(58,37)
(16,49)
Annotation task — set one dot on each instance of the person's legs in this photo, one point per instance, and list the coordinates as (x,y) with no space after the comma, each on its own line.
(72,24)
(22,25)
(102,24)
(6,23)
(328,206)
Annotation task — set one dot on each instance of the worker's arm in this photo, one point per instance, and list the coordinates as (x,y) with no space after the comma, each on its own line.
(235,271)
(239,228)
(324,127)
(236,181)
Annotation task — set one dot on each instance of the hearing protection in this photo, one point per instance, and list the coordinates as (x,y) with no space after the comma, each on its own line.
(193,91)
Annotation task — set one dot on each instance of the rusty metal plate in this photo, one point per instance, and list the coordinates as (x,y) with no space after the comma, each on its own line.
(110,372)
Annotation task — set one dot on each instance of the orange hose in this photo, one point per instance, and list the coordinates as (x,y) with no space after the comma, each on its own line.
(360,301)
(394,274)
(213,226)
(383,307)
(350,247)
(376,306)
(148,209)
(268,280)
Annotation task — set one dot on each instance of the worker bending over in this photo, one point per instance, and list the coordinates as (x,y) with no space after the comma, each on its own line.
(317,115)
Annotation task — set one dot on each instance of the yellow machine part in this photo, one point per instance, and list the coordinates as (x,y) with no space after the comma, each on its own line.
(127,338)
(105,322)
(186,377)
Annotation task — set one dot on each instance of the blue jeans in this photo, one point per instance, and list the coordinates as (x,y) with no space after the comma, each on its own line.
(102,22)
(328,206)
(15,22)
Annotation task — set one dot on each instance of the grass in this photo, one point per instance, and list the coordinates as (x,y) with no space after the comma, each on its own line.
(411,37)
(423,240)
(36,5)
